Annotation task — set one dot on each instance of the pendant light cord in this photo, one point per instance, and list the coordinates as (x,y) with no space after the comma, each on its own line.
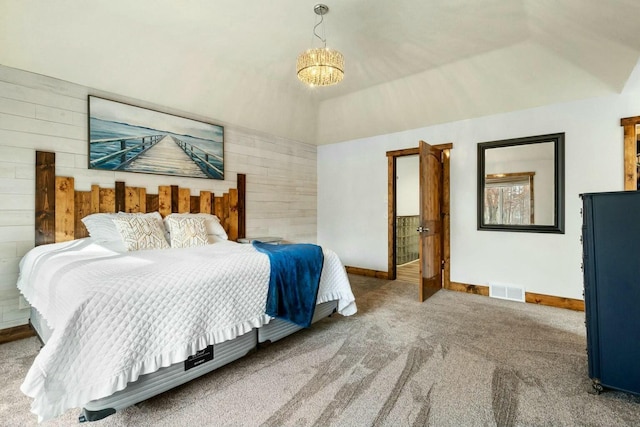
(323,40)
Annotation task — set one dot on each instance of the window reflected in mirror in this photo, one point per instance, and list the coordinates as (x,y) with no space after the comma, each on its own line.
(508,198)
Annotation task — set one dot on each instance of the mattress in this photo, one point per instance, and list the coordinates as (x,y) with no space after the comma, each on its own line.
(169,377)
(164,379)
(277,329)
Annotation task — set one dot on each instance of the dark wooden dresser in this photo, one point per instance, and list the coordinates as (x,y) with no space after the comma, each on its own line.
(611,265)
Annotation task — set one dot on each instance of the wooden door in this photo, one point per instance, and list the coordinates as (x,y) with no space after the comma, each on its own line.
(431,253)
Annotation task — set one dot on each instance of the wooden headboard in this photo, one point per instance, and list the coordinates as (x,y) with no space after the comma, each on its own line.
(59,208)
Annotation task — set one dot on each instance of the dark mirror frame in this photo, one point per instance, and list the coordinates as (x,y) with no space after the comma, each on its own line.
(558,225)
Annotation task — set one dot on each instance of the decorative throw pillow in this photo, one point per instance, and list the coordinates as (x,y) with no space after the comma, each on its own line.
(187,231)
(211,222)
(140,232)
(102,228)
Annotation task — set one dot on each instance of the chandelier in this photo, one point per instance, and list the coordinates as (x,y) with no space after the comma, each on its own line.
(320,66)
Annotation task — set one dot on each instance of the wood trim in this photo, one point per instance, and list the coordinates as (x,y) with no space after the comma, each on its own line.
(59,208)
(45,204)
(194,204)
(225,211)
(470,289)
(184,200)
(205,202)
(630,152)
(391,216)
(153,202)
(135,199)
(630,121)
(217,206)
(414,151)
(65,209)
(242,190)
(530,297)
(233,214)
(83,208)
(95,198)
(404,152)
(16,333)
(553,301)
(175,199)
(164,200)
(499,177)
(366,272)
(445,209)
(107,198)
(120,197)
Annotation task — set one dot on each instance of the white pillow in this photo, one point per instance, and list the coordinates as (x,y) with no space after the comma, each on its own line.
(102,228)
(212,223)
(187,231)
(212,238)
(140,232)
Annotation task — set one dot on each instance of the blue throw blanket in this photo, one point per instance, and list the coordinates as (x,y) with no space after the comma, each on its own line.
(294,280)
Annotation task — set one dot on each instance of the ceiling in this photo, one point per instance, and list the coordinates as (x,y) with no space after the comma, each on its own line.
(408,63)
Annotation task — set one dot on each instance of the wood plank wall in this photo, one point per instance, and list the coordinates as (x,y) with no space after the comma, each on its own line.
(42,113)
(59,208)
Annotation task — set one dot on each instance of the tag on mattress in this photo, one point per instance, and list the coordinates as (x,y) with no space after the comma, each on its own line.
(203,356)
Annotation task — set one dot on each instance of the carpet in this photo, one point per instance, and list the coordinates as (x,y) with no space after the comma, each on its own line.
(455,360)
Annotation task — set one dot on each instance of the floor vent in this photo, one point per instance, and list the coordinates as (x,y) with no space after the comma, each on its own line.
(508,292)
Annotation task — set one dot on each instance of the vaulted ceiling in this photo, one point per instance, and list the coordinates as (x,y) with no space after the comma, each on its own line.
(408,63)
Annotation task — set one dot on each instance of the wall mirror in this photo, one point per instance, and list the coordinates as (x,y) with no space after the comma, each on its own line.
(521,184)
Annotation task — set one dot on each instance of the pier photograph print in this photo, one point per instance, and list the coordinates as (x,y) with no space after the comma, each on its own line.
(127,138)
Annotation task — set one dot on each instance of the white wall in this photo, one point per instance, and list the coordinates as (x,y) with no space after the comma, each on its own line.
(352,192)
(407,186)
(42,113)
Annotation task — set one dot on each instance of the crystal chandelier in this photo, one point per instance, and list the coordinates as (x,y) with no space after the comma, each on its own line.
(320,66)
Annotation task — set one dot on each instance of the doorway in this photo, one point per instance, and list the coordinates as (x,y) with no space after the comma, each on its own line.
(407,219)
(392,214)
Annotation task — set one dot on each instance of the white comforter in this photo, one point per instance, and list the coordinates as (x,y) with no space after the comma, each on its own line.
(116,316)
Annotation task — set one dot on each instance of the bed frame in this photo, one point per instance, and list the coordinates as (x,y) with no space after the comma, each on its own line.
(59,209)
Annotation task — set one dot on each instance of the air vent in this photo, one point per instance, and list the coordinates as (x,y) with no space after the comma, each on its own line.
(508,292)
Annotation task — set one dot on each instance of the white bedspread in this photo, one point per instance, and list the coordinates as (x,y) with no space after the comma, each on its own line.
(116,316)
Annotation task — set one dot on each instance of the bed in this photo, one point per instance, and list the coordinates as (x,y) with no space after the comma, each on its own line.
(120,326)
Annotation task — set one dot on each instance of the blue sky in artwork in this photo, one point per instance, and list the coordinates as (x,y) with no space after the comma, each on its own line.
(136,116)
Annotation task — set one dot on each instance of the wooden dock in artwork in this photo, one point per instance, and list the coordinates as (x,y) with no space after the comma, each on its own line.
(166,155)
(162,154)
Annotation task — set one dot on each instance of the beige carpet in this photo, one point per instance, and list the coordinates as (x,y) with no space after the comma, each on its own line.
(455,360)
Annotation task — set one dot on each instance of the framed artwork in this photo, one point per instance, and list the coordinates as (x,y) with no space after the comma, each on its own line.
(127,138)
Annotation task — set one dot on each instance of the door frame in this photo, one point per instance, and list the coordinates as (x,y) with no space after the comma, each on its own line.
(391,211)
(630,125)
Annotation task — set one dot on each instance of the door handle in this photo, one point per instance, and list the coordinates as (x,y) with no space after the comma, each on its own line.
(422,229)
